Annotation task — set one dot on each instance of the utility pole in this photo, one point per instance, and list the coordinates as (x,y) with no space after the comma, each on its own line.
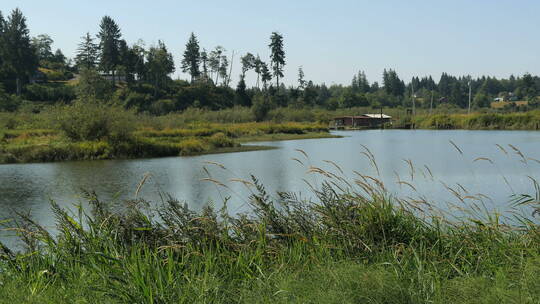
(470,93)
(413,101)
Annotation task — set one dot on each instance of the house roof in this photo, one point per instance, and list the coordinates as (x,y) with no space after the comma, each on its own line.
(377,116)
(356,117)
(365,116)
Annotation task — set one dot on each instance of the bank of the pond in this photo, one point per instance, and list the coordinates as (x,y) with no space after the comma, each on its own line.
(475,121)
(35,145)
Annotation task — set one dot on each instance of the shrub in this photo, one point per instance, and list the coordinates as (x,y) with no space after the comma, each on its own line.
(261,107)
(191,146)
(49,93)
(92,121)
(93,87)
(220,140)
(7,102)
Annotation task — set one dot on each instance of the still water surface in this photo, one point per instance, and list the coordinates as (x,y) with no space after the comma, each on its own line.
(29,187)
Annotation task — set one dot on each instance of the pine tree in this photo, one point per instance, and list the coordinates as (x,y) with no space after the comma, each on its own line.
(363,83)
(19,55)
(277,56)
(87,53)
(128,60)
(301,80)
(109,45)
(192,58)
(43,46)
(354,83)
(241,97)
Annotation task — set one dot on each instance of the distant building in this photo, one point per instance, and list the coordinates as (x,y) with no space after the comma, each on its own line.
(365,120)
(109,77)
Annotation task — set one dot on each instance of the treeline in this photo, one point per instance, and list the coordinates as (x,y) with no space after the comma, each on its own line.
(108,69)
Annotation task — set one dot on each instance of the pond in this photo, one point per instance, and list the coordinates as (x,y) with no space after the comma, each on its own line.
(426,164)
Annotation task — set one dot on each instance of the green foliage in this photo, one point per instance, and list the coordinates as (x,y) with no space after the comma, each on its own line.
(57,75)
(220,140)
(109,35)
(8,103)
(277,55)
(261,107)
(18,56)
(349,99)
(160,64)
(93,87)
(392,84)
(87,121)
(89,130)
(478,121)
(52,93)
(192,58)
(87,53)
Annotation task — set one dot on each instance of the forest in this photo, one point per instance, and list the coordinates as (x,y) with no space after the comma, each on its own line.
(110,70)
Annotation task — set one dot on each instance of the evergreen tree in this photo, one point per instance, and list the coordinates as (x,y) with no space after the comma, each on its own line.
(19,55)
(392,84)
(277,56)
(109,35)
(323,95)
(129,58)
(301,80)
(43,46)
(444,85)
(362,82)
(59,57)
(87,53)
(241,97)
(354,83)
(192,58)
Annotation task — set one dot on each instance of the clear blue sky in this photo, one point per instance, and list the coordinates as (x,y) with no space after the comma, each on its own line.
(330,39)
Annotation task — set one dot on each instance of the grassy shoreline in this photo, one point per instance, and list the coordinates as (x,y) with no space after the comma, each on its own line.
(27,146)
(474,121)
(347,248)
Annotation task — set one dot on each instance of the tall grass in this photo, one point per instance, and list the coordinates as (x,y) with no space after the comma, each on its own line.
(42,145)
(476,121)
(349,241)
